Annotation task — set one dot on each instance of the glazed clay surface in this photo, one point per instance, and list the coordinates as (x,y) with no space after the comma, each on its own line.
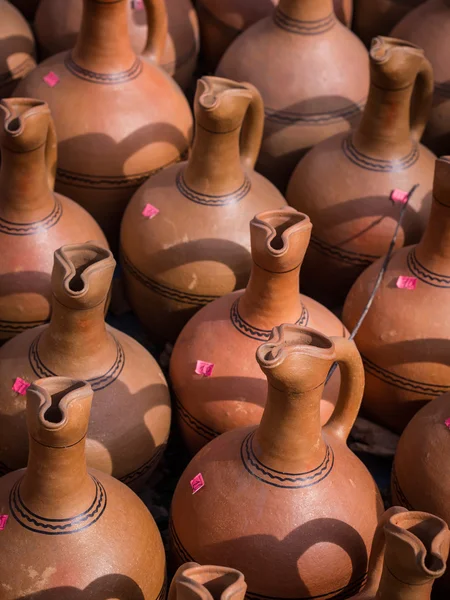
(57,26)
(285,503)
(298,58)
(404,339)
(228,331)
(119,119)
(130,417)
(34,221)
(198,248)
(72,533)
(353,215)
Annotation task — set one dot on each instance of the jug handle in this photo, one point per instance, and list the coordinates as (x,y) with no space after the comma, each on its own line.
(351,391)
(252,129)
(157,30)
(51,153)
(421,100)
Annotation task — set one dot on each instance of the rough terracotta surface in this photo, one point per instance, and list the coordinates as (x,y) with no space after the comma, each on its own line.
(198,247)
(57,25)
(119,119)
(130,417)
(71,532)
(286,503)
(221,21)
(345,183)
(17,51)
(298,58)
(34,221)
(207,582)
(404,339)
(421,473)
(228,331)
(428,26)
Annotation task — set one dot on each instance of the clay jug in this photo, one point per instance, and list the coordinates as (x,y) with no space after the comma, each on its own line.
(421,472)
(57,25)
(409,553)
(234,395)
(34,221)
(27,7)
(282,500)
(221,21)
(354,217)
(207,582)
(198,248)
(429,27)
(404,339)
(298,58)
(72,533)
(17,50)
(378,17)
(131,412)
(119,119)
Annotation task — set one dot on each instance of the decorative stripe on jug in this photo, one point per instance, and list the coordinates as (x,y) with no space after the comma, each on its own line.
(144,469)
(103,78)
(399,492)
(426,275)
(356,259)
(212,199)
(200,428)
(287,117)
(370,163)
(21,229)
(300,27)
(14,327)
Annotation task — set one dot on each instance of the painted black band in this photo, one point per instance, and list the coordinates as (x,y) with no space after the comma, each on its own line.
(212,199)
(399,492)
(355,259)
(286,117)
(144,469)
(370,163)
(103,78)
(200,428)
(426,275)
(21,229)
(12,328)
(299,27)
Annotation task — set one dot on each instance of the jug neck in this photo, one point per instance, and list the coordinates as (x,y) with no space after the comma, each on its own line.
(394,589)
(103,44)
(321,12)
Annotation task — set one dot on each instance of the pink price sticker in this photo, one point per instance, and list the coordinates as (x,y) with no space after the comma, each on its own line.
(150,211)
(399,196)
(447,423)
(406,283)
(204,368)
(51,79)
(3,519)
(20,386)
(137,4)
(197,483)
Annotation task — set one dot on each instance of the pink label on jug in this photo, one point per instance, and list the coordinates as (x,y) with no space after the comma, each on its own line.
(51,79)
(150,211)
(137,4)
(447,422)
(204,368)
(3,519)
(399,196)
(20,386)
(406,283)
(197,483)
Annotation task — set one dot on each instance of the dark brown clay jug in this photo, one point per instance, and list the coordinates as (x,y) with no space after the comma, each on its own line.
(353,216)
(298,58)
(221,21)
(130,418)
(34,221)
(429,27)
(404,339)
(378,17)
(421,472)
(57,25)
(17,50)
(67,532)
(118,118)
(282,500)
(198,247)
(409,553)
(228,331)
(206,582)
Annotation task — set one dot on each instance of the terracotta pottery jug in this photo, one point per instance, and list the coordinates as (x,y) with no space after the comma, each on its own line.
(67,532)
(131,412)
(280,501)
(421,472)
(299,59)
(34,221)
(409,553)
(119,119)
(196,582)
(378,17)
(234,395)
(221,21)
(198,248)
(404,338)
(429,26)
(17,50)
(353,216)
(57,25)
